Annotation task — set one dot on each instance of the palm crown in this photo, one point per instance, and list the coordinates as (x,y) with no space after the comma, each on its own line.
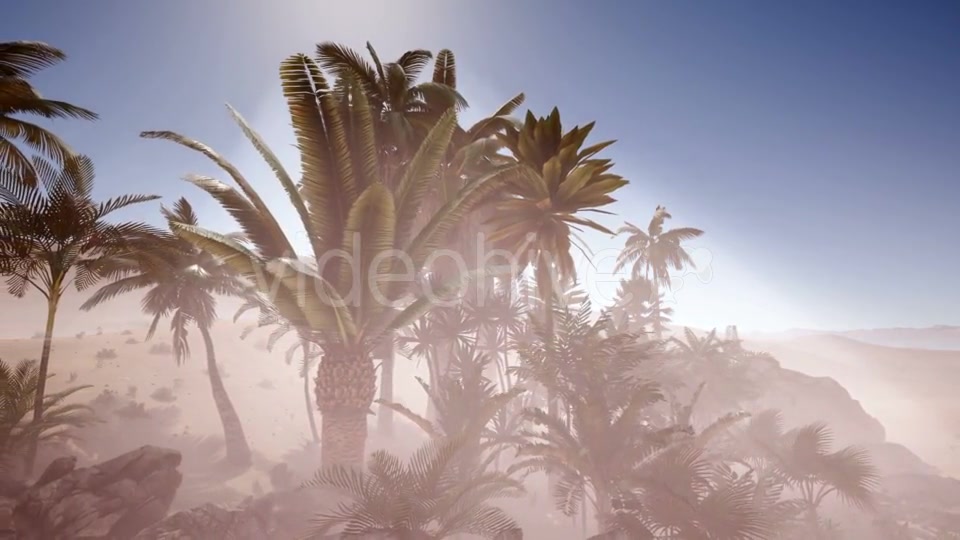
(19,60)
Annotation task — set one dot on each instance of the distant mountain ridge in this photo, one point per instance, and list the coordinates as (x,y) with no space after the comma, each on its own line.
(938,337)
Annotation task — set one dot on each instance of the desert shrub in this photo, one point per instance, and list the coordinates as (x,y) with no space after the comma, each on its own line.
(161,348)
(131,341)
(106,354)
(132,391)
(80,335)
(126,333)
(37,335)
(132,410)
(266,384)
(163,395)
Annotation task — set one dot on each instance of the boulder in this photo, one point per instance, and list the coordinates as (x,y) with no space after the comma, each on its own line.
(113,500)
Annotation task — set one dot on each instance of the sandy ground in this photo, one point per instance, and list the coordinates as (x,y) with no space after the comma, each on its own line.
(912,392)
(267,393)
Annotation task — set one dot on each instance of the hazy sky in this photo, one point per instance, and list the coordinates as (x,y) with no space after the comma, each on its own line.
(817,143)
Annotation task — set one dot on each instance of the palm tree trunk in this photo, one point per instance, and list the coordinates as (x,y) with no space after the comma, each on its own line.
(306,392)
(441,369)
(545,274)
(602,507)
(52,303)
(385,414)
(238,451)
(657,316)
(346,386)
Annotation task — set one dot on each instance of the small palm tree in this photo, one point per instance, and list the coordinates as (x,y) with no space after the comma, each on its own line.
(18,388)
(182,283)
(427,498)
(466,404)
(803,460)
(19,60)
(652,254)
(683,493)
(720,365)
(599,434)
(53,234)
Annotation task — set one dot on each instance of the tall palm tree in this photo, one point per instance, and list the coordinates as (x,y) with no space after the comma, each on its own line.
(182,282)
(53,234)
(427,498)
(563,179)
(344,205)
(405,110)
(538,217)
(652,254)
(19,60)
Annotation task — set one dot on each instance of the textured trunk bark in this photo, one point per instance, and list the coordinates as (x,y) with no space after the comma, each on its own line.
(238,451)
(52,302)
(346,385)
(344,437)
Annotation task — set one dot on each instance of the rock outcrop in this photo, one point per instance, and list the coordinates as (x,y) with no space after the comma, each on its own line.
(113,500)
(804,399)
(279,515)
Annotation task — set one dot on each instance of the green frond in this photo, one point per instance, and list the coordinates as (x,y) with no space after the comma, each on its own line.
(274,241)
(445,68)
(420,173)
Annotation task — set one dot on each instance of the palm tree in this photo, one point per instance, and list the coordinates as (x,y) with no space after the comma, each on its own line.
(683,493)
(19,60)
(633,305)
(54,234)
(652,253)
(344,206)
(466,404)
(602,435)
(182,283)
(562,179)
(802,459)
(537,219)
(720,365)
(404,111)
(426,498)
(18,388)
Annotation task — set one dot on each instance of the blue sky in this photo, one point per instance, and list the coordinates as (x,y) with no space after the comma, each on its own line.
(817,143)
